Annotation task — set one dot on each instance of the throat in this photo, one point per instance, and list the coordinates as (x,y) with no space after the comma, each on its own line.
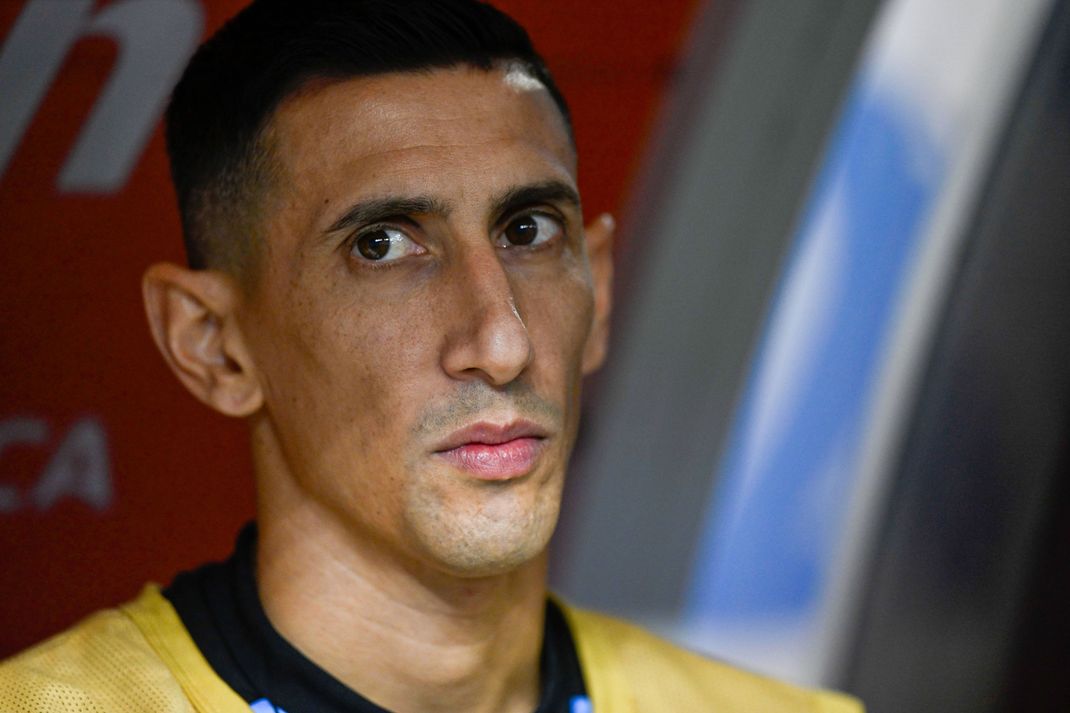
(407,640)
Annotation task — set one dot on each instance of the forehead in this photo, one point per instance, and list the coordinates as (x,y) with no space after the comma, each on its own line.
(446,130)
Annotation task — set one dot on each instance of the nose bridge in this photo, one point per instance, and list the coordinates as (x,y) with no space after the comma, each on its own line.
(489,336)
(482,276)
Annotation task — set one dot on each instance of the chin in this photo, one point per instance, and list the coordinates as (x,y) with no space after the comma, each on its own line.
(488,542)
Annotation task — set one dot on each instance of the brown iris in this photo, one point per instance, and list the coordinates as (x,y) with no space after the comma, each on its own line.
(374,245)
(522,231)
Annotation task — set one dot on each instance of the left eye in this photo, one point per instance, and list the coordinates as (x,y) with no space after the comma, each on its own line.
(531,229)
(384,245)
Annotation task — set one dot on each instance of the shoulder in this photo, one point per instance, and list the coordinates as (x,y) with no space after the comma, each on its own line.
(138,657)
(628,669)
(103,663)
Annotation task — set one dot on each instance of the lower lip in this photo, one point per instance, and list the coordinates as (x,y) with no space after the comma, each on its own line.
(500,461)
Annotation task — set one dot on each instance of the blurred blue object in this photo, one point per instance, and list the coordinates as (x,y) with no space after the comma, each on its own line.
(787,476)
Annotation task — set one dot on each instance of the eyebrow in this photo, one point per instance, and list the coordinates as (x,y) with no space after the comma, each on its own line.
(379,209)
(544,192)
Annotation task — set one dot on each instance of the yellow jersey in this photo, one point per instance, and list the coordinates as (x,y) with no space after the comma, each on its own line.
(139,657)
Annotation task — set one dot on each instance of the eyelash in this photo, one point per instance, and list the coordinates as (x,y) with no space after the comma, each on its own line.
(552,215)
(350,244)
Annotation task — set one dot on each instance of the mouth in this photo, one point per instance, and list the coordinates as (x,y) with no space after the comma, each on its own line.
(494,452)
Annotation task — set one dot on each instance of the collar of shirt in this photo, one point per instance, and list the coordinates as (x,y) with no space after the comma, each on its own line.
(219,605)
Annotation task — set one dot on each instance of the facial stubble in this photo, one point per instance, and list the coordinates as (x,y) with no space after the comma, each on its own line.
(477,528)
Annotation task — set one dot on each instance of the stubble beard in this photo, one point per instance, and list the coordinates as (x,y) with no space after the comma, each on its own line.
(503,527)
(473,528)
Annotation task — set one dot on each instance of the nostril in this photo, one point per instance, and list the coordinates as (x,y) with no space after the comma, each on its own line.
(488,338)
(505,345)
(490,342)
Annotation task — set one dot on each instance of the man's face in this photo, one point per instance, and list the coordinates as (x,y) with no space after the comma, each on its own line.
(423,315)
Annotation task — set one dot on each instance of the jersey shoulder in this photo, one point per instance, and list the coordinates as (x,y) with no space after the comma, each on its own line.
(103,663)
(629,670)
(138,657)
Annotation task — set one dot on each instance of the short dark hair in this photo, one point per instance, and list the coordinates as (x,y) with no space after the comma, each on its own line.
(220,160)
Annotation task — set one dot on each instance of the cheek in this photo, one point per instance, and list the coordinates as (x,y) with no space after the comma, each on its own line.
(558,316)
(564,308)
(337,381)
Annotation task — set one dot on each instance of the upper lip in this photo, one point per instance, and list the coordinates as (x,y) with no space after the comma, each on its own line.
(491,434)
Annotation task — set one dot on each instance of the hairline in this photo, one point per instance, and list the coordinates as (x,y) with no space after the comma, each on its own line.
(258,163)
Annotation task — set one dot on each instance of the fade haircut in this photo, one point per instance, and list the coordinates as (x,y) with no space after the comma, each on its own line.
(217,120)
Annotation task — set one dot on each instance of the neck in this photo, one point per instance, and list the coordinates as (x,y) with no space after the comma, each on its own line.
(402,634)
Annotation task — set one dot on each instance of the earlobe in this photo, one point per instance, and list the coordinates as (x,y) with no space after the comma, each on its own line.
(192,318)
(599,235)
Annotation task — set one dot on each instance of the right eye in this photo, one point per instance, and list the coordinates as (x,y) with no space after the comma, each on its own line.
(384,245)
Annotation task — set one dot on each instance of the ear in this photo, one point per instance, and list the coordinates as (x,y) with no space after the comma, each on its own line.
(192,317)
(599,237)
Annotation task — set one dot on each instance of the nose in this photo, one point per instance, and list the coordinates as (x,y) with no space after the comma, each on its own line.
(487,338)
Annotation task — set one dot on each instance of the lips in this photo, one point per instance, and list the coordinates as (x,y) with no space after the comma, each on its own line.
(492,452)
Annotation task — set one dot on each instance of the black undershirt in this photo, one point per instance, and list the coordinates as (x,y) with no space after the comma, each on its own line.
(220,606)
